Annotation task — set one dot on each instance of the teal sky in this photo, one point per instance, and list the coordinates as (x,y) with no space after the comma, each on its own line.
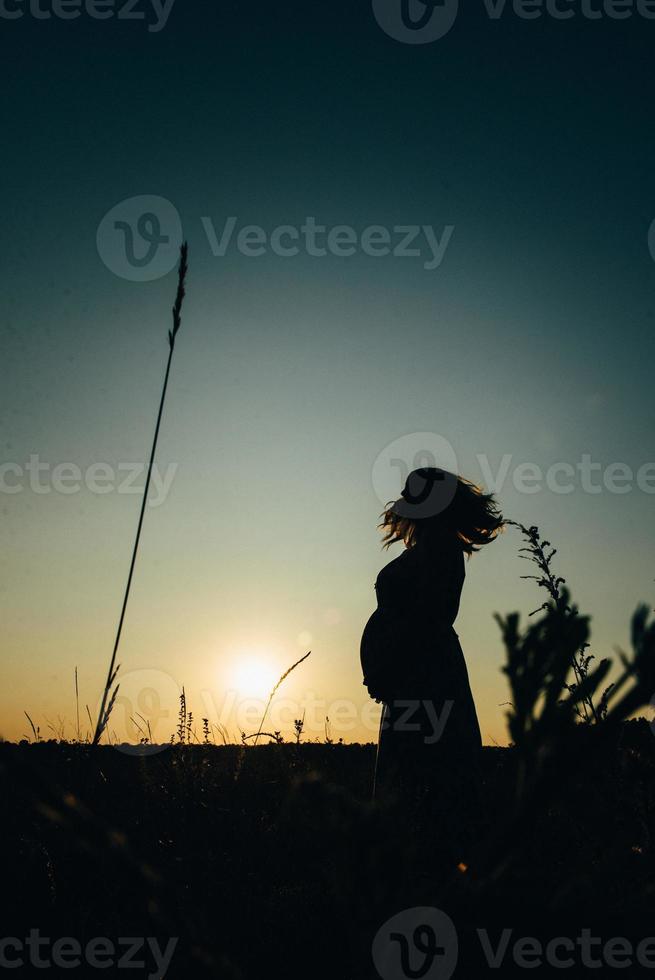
(533,338)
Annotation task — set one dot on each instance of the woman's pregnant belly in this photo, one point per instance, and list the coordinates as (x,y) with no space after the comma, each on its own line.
(395,650)
(381,650)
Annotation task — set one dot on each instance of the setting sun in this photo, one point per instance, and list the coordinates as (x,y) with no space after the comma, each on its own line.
(253,678)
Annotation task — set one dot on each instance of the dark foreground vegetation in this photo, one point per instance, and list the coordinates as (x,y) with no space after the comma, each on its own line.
(271,860)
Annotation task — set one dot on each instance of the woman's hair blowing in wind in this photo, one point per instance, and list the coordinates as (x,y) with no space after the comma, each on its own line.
(434,500)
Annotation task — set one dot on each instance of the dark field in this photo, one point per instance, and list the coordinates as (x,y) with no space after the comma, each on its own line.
(271,861)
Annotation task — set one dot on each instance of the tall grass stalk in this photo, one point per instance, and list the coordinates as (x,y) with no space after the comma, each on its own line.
(77,706)
(109,697)
(274,691)
(35,731)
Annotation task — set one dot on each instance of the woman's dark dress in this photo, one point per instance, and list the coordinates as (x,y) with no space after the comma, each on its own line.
(413,662)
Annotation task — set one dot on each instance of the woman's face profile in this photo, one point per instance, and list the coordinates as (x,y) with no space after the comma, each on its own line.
(427,493)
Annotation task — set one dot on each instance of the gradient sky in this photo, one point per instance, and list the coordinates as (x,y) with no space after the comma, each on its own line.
(534,338)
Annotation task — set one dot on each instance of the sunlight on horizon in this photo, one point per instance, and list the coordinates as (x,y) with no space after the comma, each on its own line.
(253,677)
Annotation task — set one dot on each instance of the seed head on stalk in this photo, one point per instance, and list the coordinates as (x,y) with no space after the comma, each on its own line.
(274,691)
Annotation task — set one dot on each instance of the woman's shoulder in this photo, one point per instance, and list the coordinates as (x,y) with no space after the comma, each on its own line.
(395,565)
(441,554)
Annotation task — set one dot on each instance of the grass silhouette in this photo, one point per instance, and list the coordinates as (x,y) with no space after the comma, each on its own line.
(108,695)
(267,858)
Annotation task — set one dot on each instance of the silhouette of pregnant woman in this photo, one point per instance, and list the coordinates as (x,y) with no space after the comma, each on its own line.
(410,653)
